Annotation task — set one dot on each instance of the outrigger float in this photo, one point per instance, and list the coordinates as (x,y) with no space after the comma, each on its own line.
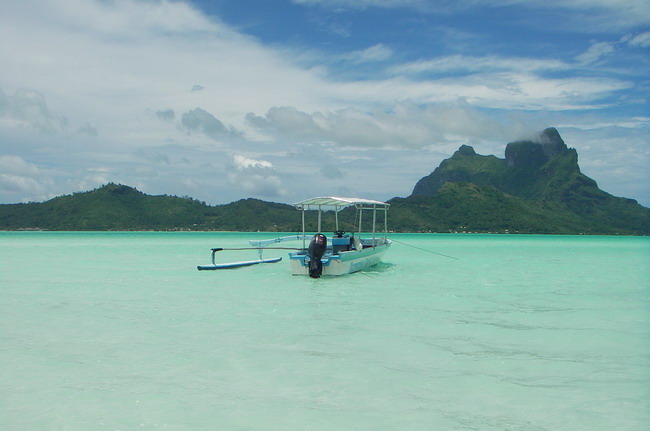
(344,254)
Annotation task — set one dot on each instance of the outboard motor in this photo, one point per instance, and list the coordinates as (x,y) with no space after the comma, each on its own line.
(316,251)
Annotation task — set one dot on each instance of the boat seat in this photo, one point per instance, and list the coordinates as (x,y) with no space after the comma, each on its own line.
(340,244)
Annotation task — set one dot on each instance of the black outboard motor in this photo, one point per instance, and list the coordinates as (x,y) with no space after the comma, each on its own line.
(316,251)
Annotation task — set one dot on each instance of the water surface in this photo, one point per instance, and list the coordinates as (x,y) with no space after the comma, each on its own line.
(119,331)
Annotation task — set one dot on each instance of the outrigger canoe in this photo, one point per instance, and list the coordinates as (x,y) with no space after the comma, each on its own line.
(342,253)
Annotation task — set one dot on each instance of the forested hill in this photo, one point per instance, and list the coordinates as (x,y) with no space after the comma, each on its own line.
(120,207)
(537,188)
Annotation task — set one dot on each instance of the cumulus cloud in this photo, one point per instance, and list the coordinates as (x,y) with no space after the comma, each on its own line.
(110,62)
(623,172)
(166,115)
(242,163)
(29,107)
(155,49)
(492,89)
(16,184)
(112,66)
(407,126)
(17,166)
(286,121)
(21,178)
(200,120)
(256,177)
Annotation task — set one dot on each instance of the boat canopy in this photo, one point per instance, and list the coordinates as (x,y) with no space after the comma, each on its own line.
(323,203)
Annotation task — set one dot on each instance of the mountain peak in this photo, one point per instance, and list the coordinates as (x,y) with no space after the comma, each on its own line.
(465,150)
(552,136)
(532,154)
(528,166)
(538,184)
(552,143)
(118,189)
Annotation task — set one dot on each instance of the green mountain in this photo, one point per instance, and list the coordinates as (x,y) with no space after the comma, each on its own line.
(537,188)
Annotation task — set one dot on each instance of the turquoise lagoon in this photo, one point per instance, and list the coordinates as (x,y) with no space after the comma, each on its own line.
(119,331)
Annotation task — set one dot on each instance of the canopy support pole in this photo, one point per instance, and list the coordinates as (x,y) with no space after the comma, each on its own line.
(385,224)
(360,219)
(319,218)
(304,244)
(336,217)
(374,221)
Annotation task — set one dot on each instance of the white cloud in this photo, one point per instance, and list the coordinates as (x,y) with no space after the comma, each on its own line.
(608,14)
(473,64)
(617,161)
(93,83)
(166,115)
(362,4)
(199,120)
(17,166)
(406,126)
(243,163)
(120,71)
(106,63)
(376,53)
(29,108)
(594,14)
(500,90)
(593,123)
(256,177)
(595,52)
(641,40)
(16,184)
(20,178)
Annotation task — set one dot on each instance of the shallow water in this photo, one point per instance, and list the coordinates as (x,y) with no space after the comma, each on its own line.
(119,331)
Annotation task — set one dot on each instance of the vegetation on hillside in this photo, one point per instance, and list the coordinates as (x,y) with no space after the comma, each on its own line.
(120,207)
(538,188)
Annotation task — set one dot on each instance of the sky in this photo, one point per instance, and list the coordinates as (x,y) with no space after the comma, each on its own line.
(282,100)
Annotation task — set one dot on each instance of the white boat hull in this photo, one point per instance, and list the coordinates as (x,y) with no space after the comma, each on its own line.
(346,262)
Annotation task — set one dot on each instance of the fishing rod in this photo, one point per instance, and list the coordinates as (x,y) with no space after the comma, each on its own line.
(424,249)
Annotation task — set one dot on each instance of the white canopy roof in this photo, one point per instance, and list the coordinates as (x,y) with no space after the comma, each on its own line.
(340,203)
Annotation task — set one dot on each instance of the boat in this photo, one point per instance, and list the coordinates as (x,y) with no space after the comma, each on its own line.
(346,252)
(342,253)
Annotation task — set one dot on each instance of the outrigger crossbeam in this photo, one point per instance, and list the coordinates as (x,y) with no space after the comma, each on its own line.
(259,245)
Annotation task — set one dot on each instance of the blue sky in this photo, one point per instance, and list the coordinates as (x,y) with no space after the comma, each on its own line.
(285,99)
